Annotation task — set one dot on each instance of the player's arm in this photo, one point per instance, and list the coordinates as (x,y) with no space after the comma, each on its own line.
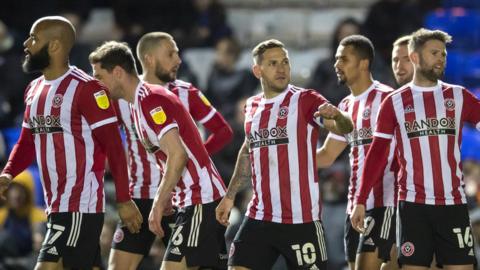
(242,175)
(220,133)
(202,111)
(334,120)
(22,155)
(95,106)
(177,158)
(330,150)
(375,161)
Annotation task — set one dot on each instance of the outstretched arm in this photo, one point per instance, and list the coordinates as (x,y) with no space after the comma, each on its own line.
(241,177)
(329,152)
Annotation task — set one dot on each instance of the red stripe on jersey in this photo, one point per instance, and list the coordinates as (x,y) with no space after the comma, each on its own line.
(59,145)
(303,169)
(43,146)
(196,192)
(284,169)
(354,153)
(457,197)
(147,174)
(418,175)
(431,112)
(80,153)
(248,124)
(264,164)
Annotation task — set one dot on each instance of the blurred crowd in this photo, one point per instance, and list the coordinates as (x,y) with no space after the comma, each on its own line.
(194,24)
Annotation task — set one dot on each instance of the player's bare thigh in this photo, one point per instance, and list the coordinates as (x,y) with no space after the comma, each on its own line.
(122,260)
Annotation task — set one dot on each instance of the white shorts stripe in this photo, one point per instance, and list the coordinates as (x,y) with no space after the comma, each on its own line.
(387,220)
(321,240)
(195,227)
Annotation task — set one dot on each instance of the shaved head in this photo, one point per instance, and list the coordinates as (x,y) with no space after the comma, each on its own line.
(57,28)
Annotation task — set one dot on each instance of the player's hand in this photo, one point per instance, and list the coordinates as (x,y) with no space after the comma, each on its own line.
(223,211)
(155,219)
(5,180)
(130,216)
(357,216)
(327,111)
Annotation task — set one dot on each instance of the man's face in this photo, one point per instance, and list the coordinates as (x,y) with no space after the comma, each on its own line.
(36,51)
(432,60)
(108,79)
(167,61)
(274,69)
(347,65)
(401,65)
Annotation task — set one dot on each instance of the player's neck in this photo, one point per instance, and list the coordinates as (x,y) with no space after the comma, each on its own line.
(151,78)
(130,87)
(55,71)
(361,85)
(421,81)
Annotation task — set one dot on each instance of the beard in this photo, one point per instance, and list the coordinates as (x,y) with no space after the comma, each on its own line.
(37,62)
(164,75)
(429,73)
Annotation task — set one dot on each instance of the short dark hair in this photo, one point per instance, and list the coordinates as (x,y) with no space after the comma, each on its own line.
(149,41)
(422,35)
(402,41)
(260,49)
(113,53)
(362,46)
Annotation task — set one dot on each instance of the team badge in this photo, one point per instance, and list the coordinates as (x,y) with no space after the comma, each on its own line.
(102,99)
(57,101)
(283,112)
(158,115)
(118,236)
(366,113)
(407,249)
(449,104)
(205,100)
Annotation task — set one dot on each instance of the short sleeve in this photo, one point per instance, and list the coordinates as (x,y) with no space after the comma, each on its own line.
(471,109)
(95,105)
(200,107)
(310,100)
(387,120)
(159,112)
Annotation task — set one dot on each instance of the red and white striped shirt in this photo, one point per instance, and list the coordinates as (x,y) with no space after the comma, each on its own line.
(144,171)
(363,110)
(157,110)
(427,125)
(282,135)
(61,115)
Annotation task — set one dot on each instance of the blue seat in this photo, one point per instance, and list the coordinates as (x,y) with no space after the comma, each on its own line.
(460,23)
(455,65)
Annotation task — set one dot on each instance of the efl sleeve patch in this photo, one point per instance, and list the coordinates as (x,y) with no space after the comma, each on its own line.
(204,99)
(102,99)
(158,115)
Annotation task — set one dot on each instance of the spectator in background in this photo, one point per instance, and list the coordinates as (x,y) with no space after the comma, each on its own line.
(324,77)
(22,224)
(227,84)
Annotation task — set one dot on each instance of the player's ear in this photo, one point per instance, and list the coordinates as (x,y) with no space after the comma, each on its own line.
(117,72)
(414,57)
(256,71)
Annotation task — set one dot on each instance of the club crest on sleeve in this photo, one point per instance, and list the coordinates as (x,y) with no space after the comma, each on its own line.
(204,99)
(102,99)
(158,115)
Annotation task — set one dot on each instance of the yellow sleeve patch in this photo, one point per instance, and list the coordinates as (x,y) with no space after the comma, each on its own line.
(205,100)
(102,100)
(158,115)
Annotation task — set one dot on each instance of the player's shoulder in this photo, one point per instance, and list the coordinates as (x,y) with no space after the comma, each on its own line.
(446,86)
(85,81)
(381,87)
(181,85)
(398,92)
(148,92)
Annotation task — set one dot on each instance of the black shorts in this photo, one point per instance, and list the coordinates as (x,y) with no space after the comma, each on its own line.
(140,243)
(350,241)
(425,230)
(198,237)
(74,237)
(380,224)
(258,244)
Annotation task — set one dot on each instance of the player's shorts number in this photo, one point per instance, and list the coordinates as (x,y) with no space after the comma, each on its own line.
(464,239)
(305,254)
